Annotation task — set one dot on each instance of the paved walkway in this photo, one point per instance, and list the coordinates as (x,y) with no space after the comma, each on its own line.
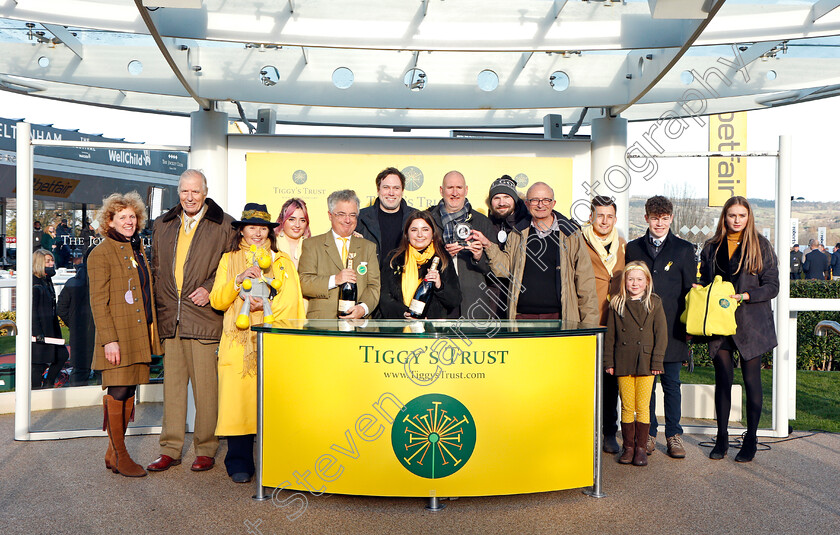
(63,487)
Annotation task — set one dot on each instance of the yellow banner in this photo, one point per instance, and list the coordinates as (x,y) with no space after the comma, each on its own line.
(272,178)
(377,416)
(727,176)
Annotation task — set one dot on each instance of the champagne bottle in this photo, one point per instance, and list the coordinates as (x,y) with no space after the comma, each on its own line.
(347,293)
(417,308)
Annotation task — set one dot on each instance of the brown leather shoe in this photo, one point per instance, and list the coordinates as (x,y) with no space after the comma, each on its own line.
(675,447)
(202,463)
(650,447)
(163,463)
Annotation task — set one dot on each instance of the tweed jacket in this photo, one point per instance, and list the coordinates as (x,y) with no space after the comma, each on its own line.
(756,332)
(113,282)
(575,279)
(212,237)
(635,343)
(674,270)
(606,284)
(320,259)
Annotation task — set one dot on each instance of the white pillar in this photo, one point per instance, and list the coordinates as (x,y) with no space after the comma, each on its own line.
(610,175)
(208,151)
(784,363)
(23,319)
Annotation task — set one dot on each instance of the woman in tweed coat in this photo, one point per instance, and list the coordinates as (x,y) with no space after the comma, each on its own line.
(122,302)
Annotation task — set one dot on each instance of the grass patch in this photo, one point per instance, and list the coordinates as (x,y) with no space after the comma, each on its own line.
(7,343)
(817,397)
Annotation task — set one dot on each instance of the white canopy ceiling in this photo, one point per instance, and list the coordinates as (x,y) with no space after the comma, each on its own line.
(423,63)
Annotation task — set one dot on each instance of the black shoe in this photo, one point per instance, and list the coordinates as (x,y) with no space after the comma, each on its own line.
(241,477)
(747,450)
(721,445)
(611,444)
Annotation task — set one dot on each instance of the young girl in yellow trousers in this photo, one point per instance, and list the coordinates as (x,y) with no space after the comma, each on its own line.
(637,335)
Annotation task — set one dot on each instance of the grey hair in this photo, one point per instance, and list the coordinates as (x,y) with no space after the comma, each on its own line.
(191,173)
(342,195)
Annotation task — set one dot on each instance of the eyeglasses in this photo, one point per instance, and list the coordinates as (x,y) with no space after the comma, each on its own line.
(537,202)
(342,215)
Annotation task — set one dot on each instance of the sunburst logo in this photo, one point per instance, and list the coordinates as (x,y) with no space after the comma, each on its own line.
(436,436)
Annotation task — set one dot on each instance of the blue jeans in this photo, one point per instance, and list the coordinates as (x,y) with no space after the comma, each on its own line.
(673,400)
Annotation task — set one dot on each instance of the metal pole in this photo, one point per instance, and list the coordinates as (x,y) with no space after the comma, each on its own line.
(784,367)
(596,491)
(23,346)
(260,495)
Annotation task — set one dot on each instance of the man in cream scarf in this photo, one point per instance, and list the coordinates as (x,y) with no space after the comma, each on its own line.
(606,251)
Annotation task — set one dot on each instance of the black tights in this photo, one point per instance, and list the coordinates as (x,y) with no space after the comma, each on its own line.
(751,371)
(122,393)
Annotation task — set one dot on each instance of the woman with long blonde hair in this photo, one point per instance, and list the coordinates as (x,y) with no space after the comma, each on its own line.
(742,256)
(634,350)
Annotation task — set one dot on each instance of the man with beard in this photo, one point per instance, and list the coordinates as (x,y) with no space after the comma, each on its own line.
(506,210)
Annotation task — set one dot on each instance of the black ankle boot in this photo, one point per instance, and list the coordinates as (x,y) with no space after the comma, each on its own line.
(748,449)
(721,445)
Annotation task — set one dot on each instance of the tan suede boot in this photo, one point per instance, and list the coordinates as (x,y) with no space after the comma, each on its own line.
(117,423)
(628,433)
(110,459)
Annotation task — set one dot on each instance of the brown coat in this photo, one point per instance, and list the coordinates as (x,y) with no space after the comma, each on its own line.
(111,276)
(606,284)
(635,344)
(319,259)
(211,240)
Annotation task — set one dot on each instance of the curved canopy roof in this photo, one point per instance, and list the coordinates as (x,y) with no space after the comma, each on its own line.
(423,63)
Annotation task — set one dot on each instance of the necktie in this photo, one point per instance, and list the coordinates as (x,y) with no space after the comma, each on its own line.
(189,223)
(344,250)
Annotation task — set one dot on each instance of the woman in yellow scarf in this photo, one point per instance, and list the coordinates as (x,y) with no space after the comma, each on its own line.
(411,265)
(237,364)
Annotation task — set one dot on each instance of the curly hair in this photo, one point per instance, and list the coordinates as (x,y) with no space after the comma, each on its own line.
(117,202)
(659,206)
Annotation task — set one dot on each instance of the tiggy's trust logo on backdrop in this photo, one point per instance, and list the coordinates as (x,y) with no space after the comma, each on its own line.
(436,436)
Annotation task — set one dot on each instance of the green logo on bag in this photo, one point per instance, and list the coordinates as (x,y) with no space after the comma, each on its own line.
(724,303)
(435,438)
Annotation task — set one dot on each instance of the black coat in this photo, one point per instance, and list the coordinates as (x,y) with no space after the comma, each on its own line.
(673,271)
(74,309)
(368,225)
(443,301)
(815,265)
(474,276)
(756,333)
(45,322)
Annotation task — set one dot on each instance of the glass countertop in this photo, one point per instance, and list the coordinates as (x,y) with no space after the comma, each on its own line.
(433,328)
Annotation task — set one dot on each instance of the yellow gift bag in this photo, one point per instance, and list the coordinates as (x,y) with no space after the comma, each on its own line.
(709,310)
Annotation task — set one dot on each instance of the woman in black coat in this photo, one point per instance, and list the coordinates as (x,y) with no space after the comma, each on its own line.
(742,256)
(410,265)
(45,322)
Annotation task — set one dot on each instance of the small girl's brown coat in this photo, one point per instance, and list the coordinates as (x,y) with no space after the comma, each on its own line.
(635,344)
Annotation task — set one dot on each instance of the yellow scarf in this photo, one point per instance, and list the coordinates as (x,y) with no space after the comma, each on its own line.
(599,244)
(239,261)
(410,278)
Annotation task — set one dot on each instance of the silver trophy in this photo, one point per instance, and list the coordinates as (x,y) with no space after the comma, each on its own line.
(462,232)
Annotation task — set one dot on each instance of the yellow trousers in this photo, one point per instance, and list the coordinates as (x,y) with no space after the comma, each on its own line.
(635,391)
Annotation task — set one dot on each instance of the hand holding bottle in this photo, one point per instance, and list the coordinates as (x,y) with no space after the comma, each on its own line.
(345,275)
(433,276)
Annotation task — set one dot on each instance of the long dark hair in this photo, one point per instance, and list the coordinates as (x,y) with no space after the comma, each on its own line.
(750,238)
(437,239)
(237,237)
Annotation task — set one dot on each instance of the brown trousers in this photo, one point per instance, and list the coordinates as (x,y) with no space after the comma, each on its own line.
(193,361)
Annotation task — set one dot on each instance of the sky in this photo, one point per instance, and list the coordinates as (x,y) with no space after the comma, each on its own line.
(812,125)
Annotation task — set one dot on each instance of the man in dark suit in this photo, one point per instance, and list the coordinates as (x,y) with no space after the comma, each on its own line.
(323,263)
(816,263)
(835,262)
(673,266)
(796,257)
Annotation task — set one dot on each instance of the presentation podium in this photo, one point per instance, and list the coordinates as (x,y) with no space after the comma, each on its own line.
(428,409)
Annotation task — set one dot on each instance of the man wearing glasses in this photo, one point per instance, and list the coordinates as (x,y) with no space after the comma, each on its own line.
(548,265)
(323,263)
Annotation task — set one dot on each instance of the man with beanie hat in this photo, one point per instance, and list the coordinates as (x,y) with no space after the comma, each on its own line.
(505,210)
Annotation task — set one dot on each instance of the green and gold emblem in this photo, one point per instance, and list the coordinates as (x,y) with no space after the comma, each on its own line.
(436,436)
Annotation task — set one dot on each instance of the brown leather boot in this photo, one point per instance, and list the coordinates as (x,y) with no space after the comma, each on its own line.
(117,422)
(110,458)
(628,433)
(641,458)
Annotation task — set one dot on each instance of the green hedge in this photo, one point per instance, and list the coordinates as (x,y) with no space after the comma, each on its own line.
(812,352)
